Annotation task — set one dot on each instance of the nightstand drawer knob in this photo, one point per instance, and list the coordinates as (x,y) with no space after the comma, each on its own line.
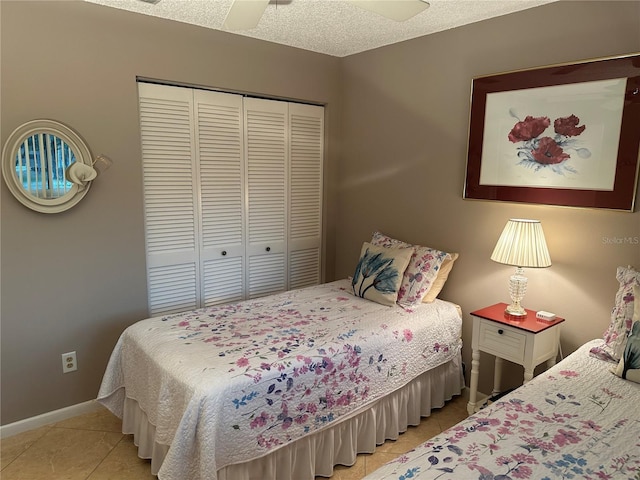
(500,332)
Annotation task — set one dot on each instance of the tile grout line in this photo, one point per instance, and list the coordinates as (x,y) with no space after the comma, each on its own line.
(122,436)
(52,427)
(105,457)
(49,428)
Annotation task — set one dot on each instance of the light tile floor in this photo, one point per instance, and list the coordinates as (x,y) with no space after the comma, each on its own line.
(92,447)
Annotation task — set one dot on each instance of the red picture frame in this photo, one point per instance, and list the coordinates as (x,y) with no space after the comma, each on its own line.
(559,135)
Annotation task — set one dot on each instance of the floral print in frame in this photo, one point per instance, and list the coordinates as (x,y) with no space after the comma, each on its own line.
(557,135)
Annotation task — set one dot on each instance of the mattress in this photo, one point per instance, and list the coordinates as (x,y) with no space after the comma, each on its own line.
(230,384)
(577,420)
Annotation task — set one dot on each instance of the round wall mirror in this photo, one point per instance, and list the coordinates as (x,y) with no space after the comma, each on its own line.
(40,161)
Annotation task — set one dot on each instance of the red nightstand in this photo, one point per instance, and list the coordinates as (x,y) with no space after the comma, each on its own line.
(526,341)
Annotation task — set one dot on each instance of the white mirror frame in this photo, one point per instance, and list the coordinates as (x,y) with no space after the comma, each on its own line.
(11,149)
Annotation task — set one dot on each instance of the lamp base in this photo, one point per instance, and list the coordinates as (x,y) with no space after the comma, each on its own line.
(515,310)
(517,289)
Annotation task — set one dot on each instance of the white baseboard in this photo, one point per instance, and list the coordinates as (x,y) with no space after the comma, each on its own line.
(48,418)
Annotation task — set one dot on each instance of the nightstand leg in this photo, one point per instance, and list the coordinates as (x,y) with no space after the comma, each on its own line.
(528,374)
(497,376)
(473,387)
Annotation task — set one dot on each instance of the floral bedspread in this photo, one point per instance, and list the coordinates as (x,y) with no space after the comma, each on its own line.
(577,420)
(231,383)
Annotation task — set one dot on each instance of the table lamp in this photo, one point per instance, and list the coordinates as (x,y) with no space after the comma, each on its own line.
(521,244)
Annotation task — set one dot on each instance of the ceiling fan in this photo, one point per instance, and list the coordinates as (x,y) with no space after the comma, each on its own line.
(246,14)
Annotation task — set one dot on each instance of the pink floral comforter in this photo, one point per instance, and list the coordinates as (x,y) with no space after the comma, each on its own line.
(577,420)
(231,383)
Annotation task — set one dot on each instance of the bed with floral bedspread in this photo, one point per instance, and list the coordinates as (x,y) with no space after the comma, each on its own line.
(228,384)
(577,420)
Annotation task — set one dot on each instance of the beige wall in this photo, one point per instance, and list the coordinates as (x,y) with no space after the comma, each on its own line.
(75,280)
(396,121)
(406,110)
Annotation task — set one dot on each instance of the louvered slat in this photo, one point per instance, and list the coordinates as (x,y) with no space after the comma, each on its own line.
(266,170)
(267,275)
(303,268)
(223,281)
(306,176)
(167,175)
(172,289)
(220,148)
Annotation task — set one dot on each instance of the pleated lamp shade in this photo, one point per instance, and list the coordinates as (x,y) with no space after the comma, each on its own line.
(522,244)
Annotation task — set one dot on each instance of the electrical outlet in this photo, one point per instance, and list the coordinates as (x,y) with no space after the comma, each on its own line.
(69,362)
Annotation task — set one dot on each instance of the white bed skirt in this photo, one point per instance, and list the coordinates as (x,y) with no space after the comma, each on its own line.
(318,453)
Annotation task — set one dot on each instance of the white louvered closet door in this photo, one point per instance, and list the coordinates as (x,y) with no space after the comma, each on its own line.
(266,141)
(306,140)
(232,196)
(220,146)
(171,211)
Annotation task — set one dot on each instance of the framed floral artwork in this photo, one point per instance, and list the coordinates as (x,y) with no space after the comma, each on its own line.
(558,135)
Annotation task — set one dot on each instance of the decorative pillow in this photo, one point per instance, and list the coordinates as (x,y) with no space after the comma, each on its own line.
(423,268)
(443,274)
(615,336)
(629,365)
(379,273)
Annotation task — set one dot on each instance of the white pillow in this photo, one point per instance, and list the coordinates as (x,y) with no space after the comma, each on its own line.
(443,274)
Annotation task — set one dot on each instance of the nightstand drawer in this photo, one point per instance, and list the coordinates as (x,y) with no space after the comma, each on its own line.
(502,341)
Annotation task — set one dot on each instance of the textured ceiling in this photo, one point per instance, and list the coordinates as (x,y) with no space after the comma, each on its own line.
(333,27)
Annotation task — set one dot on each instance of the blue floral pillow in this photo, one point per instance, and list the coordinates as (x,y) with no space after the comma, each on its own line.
(379,273)
(629,366)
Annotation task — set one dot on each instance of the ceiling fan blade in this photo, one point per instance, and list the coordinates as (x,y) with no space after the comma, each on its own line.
(398,10)
(245,14)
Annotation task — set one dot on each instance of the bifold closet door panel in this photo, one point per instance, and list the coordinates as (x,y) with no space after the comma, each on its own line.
(220,153)
(266,154)
(306,158)
(170,206)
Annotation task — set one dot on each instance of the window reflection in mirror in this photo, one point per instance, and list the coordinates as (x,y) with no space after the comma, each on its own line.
(40,164)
